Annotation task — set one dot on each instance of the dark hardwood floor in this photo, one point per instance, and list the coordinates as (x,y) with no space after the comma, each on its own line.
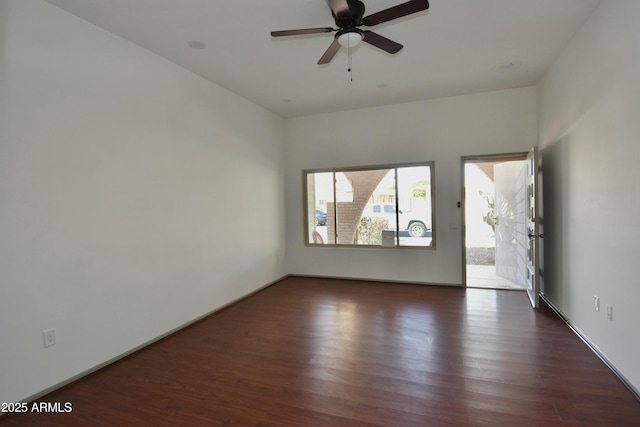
(317,352)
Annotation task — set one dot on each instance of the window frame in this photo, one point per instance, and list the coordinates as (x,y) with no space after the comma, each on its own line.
(307,209)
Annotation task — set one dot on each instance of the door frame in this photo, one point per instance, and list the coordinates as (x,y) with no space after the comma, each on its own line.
(477,159)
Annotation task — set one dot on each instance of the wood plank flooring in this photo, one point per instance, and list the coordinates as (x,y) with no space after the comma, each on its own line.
(319,352)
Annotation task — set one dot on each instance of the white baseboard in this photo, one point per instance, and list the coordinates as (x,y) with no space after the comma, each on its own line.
(592,347)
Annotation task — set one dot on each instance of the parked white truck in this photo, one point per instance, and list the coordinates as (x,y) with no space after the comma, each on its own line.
(417,220)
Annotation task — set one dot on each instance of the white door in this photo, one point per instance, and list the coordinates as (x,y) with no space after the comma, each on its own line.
(510,180)
(532,227)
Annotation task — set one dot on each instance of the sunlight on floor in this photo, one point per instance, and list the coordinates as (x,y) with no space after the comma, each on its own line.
(484,276)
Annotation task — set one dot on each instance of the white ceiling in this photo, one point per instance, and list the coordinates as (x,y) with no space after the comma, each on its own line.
(456,47)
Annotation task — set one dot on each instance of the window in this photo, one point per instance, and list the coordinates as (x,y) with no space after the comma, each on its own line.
(377,206)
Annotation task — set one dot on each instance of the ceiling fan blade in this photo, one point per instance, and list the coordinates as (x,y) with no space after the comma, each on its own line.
(395,12)
(340,8)
(330,53)
(301,32)
(381,42)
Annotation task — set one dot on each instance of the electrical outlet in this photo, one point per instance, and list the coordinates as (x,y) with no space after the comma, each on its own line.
(596,303)
(49,337)
(609,312)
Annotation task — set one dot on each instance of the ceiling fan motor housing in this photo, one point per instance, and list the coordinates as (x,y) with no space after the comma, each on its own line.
(355,20)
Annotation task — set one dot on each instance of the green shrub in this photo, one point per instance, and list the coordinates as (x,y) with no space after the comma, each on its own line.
(369,231)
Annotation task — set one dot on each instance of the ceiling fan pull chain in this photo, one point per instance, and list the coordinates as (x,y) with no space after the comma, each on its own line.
(350,62)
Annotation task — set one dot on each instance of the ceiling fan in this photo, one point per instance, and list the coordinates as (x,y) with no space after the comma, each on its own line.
(348,15)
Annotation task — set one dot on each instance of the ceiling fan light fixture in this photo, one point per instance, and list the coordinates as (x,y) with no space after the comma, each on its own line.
(350,38)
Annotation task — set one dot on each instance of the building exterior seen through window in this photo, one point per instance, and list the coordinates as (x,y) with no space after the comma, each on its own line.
(376,206)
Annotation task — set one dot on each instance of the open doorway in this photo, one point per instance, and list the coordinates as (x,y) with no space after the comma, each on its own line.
(495,240)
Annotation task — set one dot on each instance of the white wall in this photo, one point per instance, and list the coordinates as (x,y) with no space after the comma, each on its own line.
(135,196)
(442,130)
(589,127)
